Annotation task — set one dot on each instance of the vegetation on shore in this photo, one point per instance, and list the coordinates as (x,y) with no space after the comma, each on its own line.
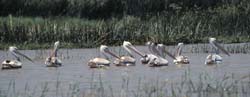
(89,23)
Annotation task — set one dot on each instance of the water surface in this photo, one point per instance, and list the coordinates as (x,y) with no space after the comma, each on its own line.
(34,76)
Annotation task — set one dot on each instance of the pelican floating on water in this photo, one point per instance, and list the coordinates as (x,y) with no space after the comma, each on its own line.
(180,59)
(11,64)
(53,60)
(125,60)
(100,62)
(150,59)
(158,52)
(214,57)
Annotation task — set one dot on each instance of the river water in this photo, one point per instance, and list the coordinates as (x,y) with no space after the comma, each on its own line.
(35,77)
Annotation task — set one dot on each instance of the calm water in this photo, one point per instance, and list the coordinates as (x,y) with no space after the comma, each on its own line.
(34,76)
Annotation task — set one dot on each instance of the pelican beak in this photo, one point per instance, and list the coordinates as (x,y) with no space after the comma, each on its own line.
(168,53)
(154,49)
(17,52)
(221,48)
(131,47)
(112,54)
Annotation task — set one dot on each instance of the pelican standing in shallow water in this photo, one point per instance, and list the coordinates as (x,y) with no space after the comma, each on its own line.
(125,60)
(53,60)
(100,62)
(11,64)
(214,58)
(180,59)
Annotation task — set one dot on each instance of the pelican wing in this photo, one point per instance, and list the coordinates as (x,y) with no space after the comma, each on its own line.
(101,61)
(221,48)
(128,59)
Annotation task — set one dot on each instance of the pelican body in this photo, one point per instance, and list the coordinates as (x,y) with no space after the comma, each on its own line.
(125,60)
(53,60)
(100,62)
(16,63)
(214,57)
(11,64)
(180,59)
(156,61)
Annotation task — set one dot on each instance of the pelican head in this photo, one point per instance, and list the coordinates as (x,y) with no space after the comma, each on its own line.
(152,47)
(213,42)
(149,43)
(179,49)
(180,44)
(12,48)
(14,51)
(125,45)
(56,44)
(104,49)
(128,46)
(160,48)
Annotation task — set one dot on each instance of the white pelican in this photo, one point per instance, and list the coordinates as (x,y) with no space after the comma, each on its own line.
(100,62)
(180,59)
(214,58)
(53,60)
(160,60)
(125,60)
(150,59)
(11,64)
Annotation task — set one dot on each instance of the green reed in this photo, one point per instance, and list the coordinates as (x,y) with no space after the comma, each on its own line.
(87,23)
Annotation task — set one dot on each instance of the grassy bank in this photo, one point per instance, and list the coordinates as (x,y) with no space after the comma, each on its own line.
(187,28)
(92,23)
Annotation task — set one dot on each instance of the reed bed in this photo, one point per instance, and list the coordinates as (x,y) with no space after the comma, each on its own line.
(202,85)
(89,23)
(74,32)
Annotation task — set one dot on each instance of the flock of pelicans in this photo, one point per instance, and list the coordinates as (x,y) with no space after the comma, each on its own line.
(155,58)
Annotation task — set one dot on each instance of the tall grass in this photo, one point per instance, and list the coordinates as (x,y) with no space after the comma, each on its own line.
(188,28)
(76,24)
